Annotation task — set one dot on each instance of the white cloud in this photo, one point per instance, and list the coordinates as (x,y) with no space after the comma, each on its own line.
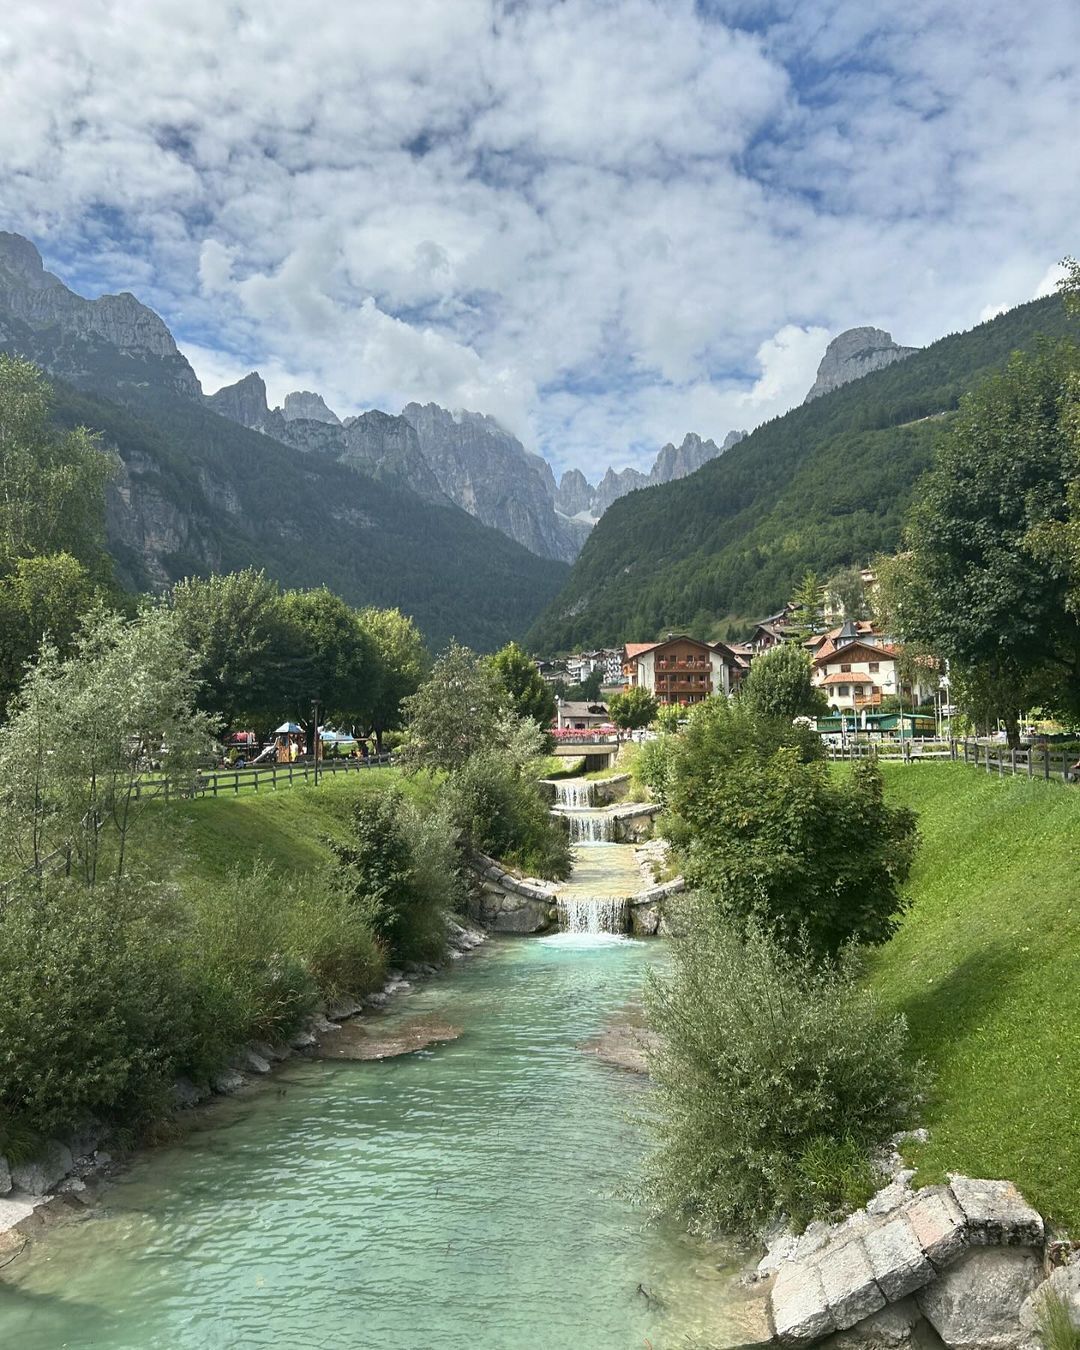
(607,224)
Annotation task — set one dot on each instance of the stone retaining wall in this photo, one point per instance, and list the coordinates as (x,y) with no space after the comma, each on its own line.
(504,903)
(647,908)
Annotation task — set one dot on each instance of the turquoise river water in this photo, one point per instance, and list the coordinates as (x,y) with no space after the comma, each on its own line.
(464,1196)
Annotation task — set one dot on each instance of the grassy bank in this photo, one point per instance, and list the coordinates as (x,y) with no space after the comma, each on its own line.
(986,967)
(205,839)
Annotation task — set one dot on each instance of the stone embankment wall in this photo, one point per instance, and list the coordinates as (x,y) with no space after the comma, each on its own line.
(648,916)
(504,903)
(605,790)
(964,1265)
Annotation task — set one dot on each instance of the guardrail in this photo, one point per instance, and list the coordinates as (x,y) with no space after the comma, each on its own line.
(228,781)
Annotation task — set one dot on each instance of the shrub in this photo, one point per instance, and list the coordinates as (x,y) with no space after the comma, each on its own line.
(93,1007)
(499,810)
(399,871)
(654,765)
(775,1075)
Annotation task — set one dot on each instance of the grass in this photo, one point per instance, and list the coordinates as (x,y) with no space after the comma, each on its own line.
(205,838)
(986,967)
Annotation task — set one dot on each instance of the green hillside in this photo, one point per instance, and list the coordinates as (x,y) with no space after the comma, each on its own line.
(823,486)
(233,497)
(986,968)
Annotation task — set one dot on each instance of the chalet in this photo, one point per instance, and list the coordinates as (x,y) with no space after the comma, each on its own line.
(681,670)
(773,630)
(857,672)
(570,716)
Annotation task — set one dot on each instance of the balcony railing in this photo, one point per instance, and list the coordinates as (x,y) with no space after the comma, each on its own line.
(691,663)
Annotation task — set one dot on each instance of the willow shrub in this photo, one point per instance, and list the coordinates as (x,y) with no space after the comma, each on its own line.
(775,1076)
(499,810)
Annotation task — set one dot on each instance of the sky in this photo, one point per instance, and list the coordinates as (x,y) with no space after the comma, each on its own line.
(605,222)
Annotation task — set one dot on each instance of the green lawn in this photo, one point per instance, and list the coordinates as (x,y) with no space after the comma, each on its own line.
(203,839)
(986,966)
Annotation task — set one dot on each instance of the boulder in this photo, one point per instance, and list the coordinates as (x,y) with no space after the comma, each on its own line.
(343,1010)
(939,1225)
(250,1061)
(849,1284)
(1065,1283)
(227,1082)
(997,1214)
(800,1307)
(899,1264)
(5,1176)
(644,920)
(186,1093)
(900,1326)
(975,1304)
(302,1040)
(52,1164)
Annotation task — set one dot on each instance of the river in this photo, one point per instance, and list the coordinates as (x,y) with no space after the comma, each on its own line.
(464,1196)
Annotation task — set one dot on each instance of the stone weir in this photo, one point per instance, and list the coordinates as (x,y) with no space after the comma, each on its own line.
(607,892)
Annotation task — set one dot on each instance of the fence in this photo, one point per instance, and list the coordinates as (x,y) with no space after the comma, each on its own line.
(272,775)
(1029,761)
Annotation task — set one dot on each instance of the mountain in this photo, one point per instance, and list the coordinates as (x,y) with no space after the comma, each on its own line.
(201,491)
(575,496)
(488,472)
(853,354)
(824,486)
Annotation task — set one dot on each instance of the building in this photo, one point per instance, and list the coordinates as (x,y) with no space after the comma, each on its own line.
(681,670)
(773,630)
(580,716)
(858,667)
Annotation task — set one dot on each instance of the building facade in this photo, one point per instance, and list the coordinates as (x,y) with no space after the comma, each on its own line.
(681,670)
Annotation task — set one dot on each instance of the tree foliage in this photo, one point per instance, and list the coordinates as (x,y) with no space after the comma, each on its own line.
(780,684)
(530,695)
(402,661)
(974,588)
(633,708)
(455,712)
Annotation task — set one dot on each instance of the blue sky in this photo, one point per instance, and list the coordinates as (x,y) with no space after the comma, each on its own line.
(606,222)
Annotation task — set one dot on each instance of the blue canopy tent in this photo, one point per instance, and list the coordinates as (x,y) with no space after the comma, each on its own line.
(289,729)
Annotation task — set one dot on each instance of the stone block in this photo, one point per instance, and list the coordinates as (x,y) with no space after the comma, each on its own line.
(899,1264)
(800,1310)
(939,1225)
(849,1283)
(975,1304)
(252,1062)
(51,1165)
(997,1214)
(897,1325)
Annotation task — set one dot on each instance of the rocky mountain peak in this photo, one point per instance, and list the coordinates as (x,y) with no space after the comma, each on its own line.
(20,258)
(304,405)
(574,494)
(244,402)
(854,353)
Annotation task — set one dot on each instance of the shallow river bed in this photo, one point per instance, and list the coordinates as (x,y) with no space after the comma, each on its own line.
(463,1196)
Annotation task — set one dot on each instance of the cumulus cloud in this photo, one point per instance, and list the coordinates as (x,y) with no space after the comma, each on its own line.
(605,223)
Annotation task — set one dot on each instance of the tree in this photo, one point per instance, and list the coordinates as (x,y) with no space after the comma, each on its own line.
(233,625)
(45,595)
(529,694)
(974,589)
(82,729)
(634,708)
(807,599)
(780,684)
(402,664)
(847,593)
(455,712)
(329,656)
(52,484)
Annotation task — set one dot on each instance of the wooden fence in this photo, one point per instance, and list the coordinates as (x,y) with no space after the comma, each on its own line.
(1034,761)
(272,776)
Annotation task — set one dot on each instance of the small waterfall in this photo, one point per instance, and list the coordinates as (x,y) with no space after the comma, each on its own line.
(591,827)
(599,914)
(574,794)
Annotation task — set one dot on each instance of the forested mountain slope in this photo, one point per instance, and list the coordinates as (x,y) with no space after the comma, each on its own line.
(825,485)
(199,493)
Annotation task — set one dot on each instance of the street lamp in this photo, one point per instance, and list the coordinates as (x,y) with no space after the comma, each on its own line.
(315,737)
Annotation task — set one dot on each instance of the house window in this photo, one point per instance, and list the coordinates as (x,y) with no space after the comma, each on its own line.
(845,670)
(843,691)
(874,666)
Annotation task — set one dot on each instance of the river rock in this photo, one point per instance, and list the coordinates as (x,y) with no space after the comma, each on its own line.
(1065,1283)
(343,1010)
(975,1305)
(302,1040)
(900,1325)
(227,1082)
(644,920)
(51,1165)
(250,1061)
(997,1213)
(5,1176)
(186,1093)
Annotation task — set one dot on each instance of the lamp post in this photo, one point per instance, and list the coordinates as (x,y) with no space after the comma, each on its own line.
(315,737)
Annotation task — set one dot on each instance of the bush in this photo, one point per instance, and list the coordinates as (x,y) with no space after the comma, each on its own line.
(499,810)
(399,871)
(94,1013)
(775,1076)
(654,765)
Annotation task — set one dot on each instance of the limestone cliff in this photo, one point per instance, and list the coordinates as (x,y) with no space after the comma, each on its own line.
(855,353)
(671,462)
